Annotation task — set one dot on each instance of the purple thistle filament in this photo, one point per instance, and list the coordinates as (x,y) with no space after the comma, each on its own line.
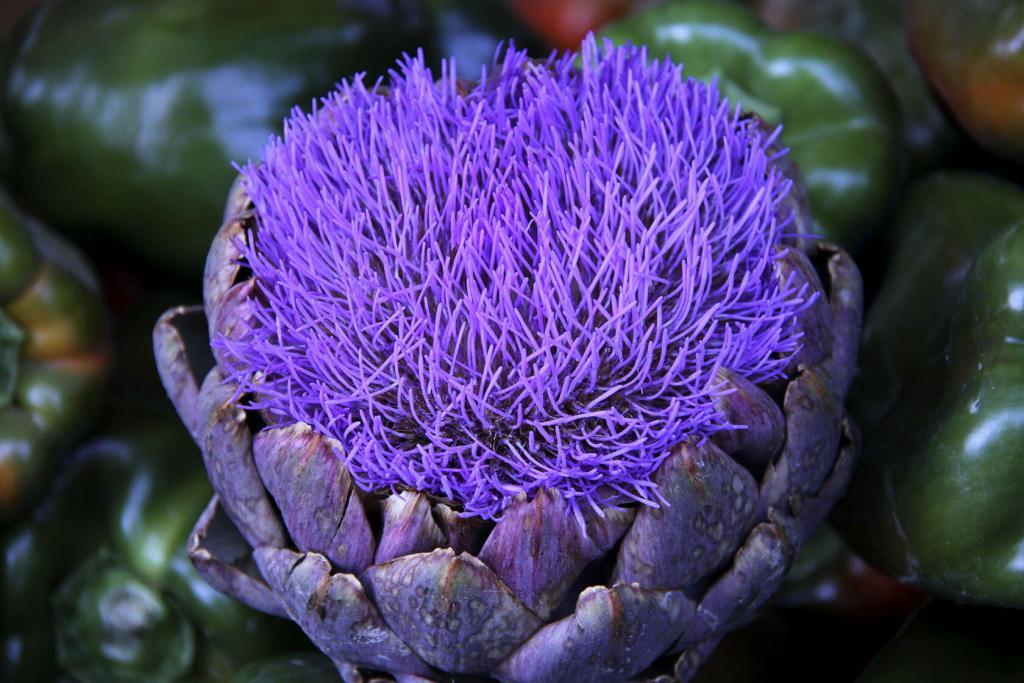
(486,290)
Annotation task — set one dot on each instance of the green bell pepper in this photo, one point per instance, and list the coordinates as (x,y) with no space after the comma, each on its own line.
(936,500)
(98,584)
(971,52)
(876,26)
(944,643)
(54,355)
(126,116)
(840,119)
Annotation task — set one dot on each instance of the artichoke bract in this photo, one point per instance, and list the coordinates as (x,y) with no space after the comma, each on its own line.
(537,378)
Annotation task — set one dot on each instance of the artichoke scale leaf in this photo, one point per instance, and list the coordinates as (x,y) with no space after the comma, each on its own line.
(538,548)
(756,572)
(795,270)
(318,502)
(220,555)
(451,610)
(181,347)
(226,444)
(335,612)
(711,502)
(761,424)
(409,527)
(614,634)
(224,262)
(230,321)
(846,302)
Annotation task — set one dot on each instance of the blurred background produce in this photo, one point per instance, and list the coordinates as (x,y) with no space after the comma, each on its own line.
(564,23)
(118,110)
(12,11)
(296,668)
(119,121)
(98,584)
(971,52)
(54,354)
(125,116)
(876,27)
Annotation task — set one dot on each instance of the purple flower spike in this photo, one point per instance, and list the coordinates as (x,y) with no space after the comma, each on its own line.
(531,283)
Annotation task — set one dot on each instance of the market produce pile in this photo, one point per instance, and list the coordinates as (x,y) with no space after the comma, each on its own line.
(574,340)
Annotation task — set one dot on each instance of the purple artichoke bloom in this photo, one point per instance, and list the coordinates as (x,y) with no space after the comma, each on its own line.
(538,378)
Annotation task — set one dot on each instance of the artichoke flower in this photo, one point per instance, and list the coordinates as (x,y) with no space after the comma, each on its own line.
(533,379)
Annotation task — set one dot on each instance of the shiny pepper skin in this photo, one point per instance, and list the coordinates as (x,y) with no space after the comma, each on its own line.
(936,502)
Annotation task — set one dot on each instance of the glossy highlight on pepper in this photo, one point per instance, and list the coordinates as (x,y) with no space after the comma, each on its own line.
(876,26)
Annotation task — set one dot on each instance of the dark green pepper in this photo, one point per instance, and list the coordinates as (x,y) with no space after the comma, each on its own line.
(839,116)
(944,643)
(98,583)
(936,500)
(100,611)
(876,26)
(127,115)
(971,52)
(54,354)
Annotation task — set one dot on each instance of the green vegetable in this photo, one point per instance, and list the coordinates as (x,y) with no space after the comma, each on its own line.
(98,583)
(112,626)
(827,578)
(876,26)
(944,643)
(936,501)
(839,117)
(127,115)
(54,355)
